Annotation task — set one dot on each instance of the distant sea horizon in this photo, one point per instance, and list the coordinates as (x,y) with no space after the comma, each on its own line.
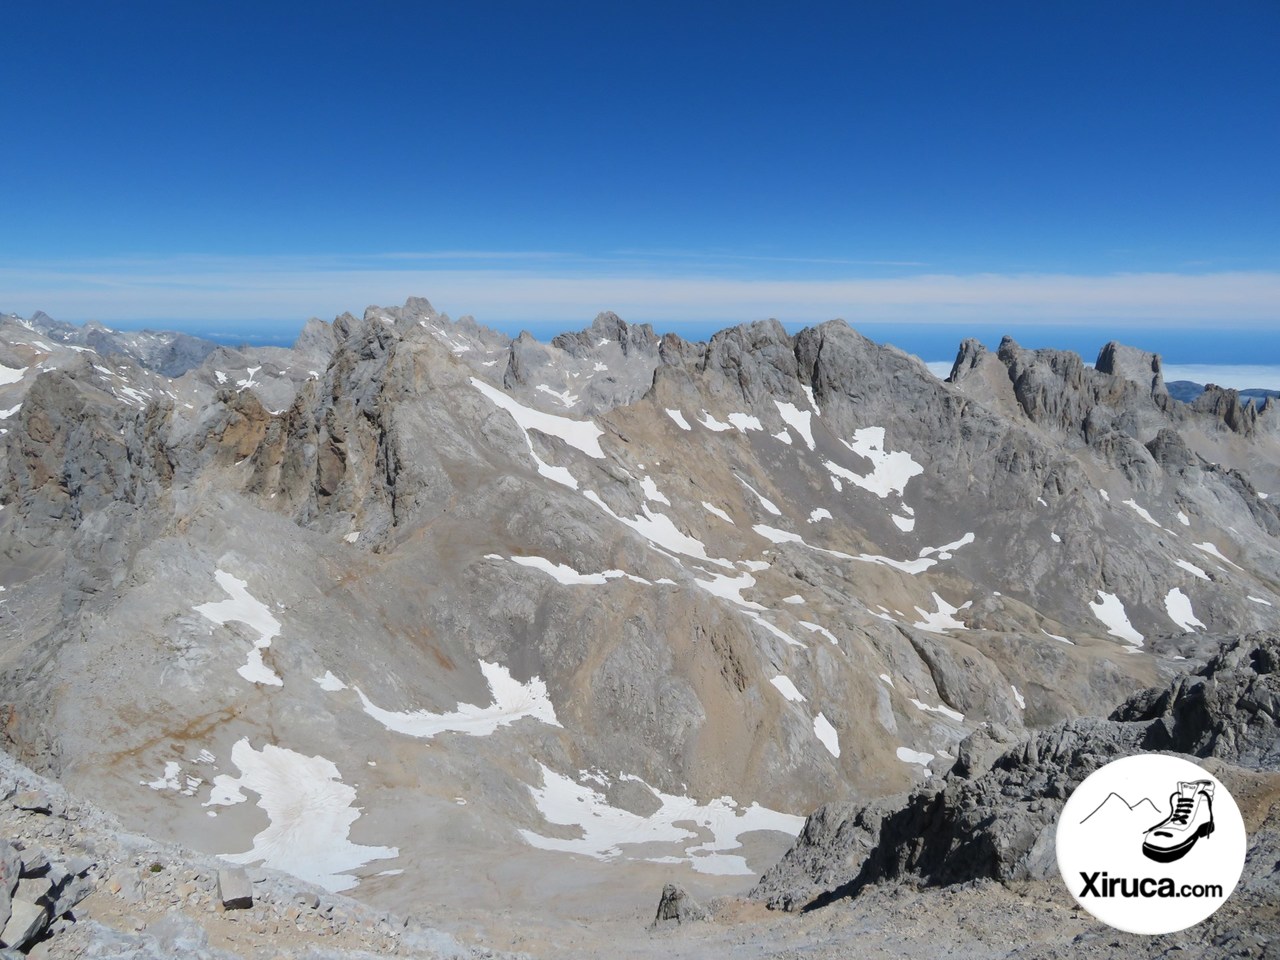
(1229,356)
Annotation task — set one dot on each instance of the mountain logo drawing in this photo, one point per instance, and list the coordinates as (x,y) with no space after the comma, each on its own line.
(1145,865)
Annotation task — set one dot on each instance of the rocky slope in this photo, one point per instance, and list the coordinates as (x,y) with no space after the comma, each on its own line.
(417,610)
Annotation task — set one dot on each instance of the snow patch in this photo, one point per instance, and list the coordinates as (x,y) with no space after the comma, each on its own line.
(1178,605)
(822,513)
(606,830)
(1213,551)
(787,689)
(818,628)
(1142,512)
(824,731)
(798,420)
(329,682)
(943,619)
(242,607)
(716,511)
(1021,701)
(512,701)
(907,755)
(745,422)
(1192,569)
(310,810)
(1111,612)
(764,501)
(679,419)
(941,708)
(890,471)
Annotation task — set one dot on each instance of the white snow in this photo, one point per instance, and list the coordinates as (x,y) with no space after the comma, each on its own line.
(1142,512)
(10,375)
(782,435)
(1054,636)
(890,471)
(1213,551)
(512,701)
(941,708)
(824,731)
(599,367)
(818,628)
(887,679)
(651,491)
(1105,496)
(222,377)
(714,425)
(329,682)
(787,689)
(905,524)
(678,417)
(582,435)
(1192,569)
(798,420)
(776,631)
(764,501)
(243,608)
(1178,605)
(167,780)
(745,422)
(1021,701)
(730,588)
(794,598)
(561,572)
(564,396)
(943,619)
(352,537)
(907,755)
(774,535)
(660,530)
(822,513)
(1184,519)
(1111,612)
(716,511)
(1265,603)
(606,830)
(1055,538)
(310,810)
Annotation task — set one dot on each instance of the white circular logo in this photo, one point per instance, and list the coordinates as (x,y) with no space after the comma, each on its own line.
(1151,844)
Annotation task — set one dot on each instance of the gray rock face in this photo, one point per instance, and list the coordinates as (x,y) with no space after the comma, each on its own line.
(1141,367)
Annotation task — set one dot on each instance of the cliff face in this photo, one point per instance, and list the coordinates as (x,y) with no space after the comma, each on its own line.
(528,600)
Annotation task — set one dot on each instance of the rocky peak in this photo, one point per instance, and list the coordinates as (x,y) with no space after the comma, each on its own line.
(1141,367)
(970,354)
(1223,405)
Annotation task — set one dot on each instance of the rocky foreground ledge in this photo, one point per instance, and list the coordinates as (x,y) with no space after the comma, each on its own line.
(73,883)
(993,816)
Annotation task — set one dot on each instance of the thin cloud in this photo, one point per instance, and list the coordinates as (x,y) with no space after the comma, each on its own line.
(283,288)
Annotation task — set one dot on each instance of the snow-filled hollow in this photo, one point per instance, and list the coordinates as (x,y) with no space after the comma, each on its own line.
(512,701)
(243,607)
(607,831)
(310,811)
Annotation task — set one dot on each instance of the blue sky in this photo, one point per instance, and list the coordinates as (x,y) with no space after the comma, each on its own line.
(929,162)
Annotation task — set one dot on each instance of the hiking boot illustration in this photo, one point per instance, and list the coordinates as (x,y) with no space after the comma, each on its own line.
(1190,818)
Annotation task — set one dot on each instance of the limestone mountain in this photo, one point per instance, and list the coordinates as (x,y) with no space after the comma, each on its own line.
(417,610)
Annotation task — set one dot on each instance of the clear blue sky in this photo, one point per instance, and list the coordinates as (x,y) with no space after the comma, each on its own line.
(931,161)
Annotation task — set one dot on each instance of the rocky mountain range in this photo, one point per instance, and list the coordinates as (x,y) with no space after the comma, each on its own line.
(419,613)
